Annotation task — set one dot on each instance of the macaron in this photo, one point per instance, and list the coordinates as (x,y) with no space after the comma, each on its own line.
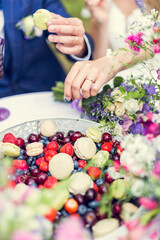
(41,17)
(61,166)
(80,183)
(48,128)
(104,227)
(128,210)
(85,148)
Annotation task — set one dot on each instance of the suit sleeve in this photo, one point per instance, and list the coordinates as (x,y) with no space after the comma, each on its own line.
(57,7)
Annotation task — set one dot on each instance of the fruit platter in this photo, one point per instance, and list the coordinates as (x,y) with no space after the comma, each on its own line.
(62,169)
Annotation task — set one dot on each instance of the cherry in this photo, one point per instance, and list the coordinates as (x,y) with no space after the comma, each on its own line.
(20,142)
(106,137)
(30,181)
(41,178)
(53,138)
(108,178)
(117,208)
(22,178)
(70,133)
(60,135)
(89,218)
(116,144)
(32,138)
(76,135)
(35,172)
(80,199)
(90,194)
(99,214)
(65,140)
(102,189)
(40,136)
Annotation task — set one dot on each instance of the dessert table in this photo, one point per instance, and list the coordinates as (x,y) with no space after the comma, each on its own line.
(32,106)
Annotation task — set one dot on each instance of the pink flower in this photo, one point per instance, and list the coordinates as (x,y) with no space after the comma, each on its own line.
(117,165)
(128,122)
(150,116)
(156,169)
(158,72)
(148,203)
(71,229)
(157,48)
(23,235)
(135,41)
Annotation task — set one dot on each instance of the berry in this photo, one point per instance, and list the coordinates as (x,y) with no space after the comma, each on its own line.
(89,218)
(117,208)
(95,187)
(31,181)
(51,215)
(65,140)
(102,189)
(45,150)
(93,204)
(49,154)
(67,148)
(32,138)
(70,133)
(20,164)
(41,178)
(50,182)
(53,138)
(39,161)
(119,150)
(90,194)
(80,198)
(35,172)
(20,142)
(82,163)
(106,137)
(10,138)
(99,181)
(22,178)
(76,166)
(11,184)
(60,135)
(44,166)
(71,205)
(53,145)
(82,209)
(107,146)
(76,135)
(108,178)
(94,172)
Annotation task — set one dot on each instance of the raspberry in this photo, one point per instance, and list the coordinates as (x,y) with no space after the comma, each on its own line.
(45,150)
(53,145)
(82,163)
(49,154)
(94,172)
(20,164)
(67,148)
(39,161)
(50,182)
(10,138)
(44,166)
(107,146)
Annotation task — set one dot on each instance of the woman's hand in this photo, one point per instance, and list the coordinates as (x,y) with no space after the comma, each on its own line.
(88,77)
(99,10)
(68,35)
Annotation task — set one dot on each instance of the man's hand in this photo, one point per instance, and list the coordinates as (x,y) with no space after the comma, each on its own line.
(68,34)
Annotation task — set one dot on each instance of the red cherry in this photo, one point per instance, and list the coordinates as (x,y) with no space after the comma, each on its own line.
(39,161)
(32,138)
(117,208)
(44,166)
(107,146)
(20,142)
(106,137)
(108,178)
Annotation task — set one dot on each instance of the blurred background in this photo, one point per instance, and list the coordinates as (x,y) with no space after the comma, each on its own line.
(74,8)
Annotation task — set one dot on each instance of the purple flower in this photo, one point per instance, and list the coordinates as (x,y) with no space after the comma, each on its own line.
(150,89)
(156,170)
(136,128)
(76,105)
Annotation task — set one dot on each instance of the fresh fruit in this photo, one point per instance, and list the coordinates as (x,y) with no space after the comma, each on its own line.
(50,182)
(44,166)
(51,214)
(20,142)
(20,164)
(108,178)
(80,198)
(49,154)
(67,148)
(71,205)
(53,145)
(41,178)
(35,172)
(76,135)
(90,218)
(90,194)
(39,161)
(10,138)
(107,146)
(32,138)
(82,163)
(117,208)
(94,172)
(106,137)
(119,150)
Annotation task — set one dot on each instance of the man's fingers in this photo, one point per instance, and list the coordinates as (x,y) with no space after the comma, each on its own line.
(70,40)
(68,49)
(66,29)
(65,21)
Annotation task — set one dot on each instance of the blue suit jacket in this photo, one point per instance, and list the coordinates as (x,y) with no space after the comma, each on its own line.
(29,65)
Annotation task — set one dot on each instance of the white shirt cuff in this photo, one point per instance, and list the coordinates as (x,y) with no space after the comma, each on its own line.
(86,58)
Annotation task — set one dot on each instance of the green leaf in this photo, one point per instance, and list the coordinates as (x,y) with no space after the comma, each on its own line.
(117,81)
(122,89)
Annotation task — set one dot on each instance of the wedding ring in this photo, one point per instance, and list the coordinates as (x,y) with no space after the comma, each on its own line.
(93,81)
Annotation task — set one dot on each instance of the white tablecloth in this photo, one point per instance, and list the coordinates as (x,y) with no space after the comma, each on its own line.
(33,106)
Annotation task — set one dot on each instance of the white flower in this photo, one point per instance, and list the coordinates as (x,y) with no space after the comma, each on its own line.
(137,188)
(117,95)
(117,130)
(131,105)
(112,172)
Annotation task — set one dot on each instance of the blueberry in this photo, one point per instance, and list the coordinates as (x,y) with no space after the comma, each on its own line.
(21,151)
(74,171)
(156,112)
(76,165)
(21,157)
(46,142)
(42,141)
(93,204)
(12,177)
(98,146)
(48,173)
(151,108)
(44,138)
(105,170)
(79,169)
(64,213)
(71,195)
(82,209)
(25,171)
(39,156)
(113,151)
(33,167)
(99,181)
(18,172)
(33,162)
(29,160)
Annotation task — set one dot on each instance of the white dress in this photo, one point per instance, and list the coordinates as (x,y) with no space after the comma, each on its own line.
(118,25)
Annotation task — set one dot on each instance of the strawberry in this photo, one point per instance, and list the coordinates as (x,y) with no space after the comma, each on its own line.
(107,146)
(50,182)
(94,172)
(95,187)
(10,184)
(10,138)
(45,150)
(53,145)
(67,148)
(49,154)
(82,163)
(39,161)
(20,164)
(119,150)
(51,215)
(44,166)
(41,187)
